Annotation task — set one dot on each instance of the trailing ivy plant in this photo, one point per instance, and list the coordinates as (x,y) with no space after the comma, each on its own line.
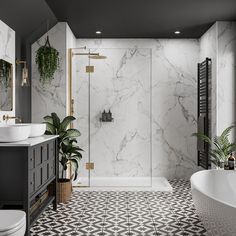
(5,73)
(47,60)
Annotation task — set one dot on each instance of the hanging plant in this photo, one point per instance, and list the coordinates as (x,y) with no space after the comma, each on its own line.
(47,59)
(5,73)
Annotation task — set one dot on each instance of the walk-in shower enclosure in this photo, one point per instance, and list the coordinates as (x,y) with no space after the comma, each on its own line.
(116,153)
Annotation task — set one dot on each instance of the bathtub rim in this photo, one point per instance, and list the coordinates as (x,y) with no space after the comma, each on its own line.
(203,192)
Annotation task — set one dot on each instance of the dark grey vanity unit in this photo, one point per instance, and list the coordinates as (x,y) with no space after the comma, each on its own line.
(28,176)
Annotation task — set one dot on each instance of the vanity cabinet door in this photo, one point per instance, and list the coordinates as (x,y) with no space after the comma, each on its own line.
(44,152)
(38,155)
(32,159)
(51,151)
(41,165)
(31,182)
(38,178)
(45,173)
(51,168)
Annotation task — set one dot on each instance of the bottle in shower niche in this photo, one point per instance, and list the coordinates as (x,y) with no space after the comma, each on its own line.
(231,162)
(104,116)
(109,116)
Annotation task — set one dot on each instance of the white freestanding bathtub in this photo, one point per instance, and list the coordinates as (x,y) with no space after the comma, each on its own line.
(214,196)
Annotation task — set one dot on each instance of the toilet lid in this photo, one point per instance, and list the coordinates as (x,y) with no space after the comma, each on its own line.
(10,219)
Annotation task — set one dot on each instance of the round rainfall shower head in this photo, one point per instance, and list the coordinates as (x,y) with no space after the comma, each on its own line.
(97,57)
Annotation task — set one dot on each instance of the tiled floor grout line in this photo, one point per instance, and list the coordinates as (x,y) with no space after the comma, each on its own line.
(123,213)
(82,213)
(157,203)
(170,208)
(127,211)
(137,206)
(93,213)
(118,200)
(105,213)
(149,209)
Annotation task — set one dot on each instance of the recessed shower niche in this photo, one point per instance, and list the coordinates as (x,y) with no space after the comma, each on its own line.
(116,153)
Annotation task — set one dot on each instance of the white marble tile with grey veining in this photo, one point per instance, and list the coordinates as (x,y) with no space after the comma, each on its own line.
(50,97)
(116,85)
(226,72)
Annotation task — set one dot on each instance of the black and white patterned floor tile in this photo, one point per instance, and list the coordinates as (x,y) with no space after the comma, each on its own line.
(121,213)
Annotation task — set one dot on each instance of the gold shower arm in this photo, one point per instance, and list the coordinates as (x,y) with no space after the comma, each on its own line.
(85,54)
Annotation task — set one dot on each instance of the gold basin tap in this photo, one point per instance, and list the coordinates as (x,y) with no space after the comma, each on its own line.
(7,117)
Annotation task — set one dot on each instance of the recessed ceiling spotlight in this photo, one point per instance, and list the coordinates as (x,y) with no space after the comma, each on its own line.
(177,32)
(98,32)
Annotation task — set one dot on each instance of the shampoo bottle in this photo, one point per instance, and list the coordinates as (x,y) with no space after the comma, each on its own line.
(231,162)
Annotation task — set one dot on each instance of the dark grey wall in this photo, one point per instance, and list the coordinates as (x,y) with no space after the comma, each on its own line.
(29,20)
(23,94)
(19,98)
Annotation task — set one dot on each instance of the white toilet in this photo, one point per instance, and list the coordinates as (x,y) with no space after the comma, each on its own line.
(12,223)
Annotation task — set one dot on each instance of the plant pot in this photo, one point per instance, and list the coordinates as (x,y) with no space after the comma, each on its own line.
(220,165)
(64,190)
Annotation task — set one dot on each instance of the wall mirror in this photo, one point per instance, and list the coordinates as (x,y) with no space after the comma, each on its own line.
(6,86)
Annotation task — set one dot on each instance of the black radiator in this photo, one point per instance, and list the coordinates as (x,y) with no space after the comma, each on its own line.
(204,110)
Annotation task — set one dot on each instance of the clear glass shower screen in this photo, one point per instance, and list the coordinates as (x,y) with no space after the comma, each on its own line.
(80,96)
(120,150)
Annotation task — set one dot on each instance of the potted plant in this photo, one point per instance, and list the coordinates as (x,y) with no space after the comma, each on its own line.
(47,60)
(220,147)
(69,152)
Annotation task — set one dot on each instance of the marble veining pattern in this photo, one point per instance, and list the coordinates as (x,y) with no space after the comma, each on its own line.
(173,89)
(208,48)
(7,53)
(123,86)
(174,105)
(47,98)
(174,101)
(120,83)
(226,72)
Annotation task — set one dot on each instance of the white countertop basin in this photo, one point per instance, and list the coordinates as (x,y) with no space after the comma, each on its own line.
(36,129)
(14,133)
(30,141)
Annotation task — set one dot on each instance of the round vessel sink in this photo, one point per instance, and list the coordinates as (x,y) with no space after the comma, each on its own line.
(14,133)
(36,129)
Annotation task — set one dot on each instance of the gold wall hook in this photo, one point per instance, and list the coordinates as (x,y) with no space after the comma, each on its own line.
(18,62)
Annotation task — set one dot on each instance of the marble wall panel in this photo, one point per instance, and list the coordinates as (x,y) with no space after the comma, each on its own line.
(226,74)
(174,104)
(7,53)
(50,97)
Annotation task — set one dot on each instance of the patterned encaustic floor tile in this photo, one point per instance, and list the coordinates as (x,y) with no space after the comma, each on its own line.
(124,213)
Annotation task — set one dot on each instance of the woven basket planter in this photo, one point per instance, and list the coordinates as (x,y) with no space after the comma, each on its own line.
(64,190)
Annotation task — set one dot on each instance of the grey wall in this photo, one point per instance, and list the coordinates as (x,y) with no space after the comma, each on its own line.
(29,25)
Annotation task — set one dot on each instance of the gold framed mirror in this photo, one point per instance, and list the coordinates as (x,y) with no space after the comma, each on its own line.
(6,86)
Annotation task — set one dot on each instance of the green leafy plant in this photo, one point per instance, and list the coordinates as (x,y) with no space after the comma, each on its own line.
(69,151)
(5,73)
(47,60)
(220,146)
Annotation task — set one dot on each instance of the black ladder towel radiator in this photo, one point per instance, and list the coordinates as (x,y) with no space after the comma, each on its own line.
(204,110)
